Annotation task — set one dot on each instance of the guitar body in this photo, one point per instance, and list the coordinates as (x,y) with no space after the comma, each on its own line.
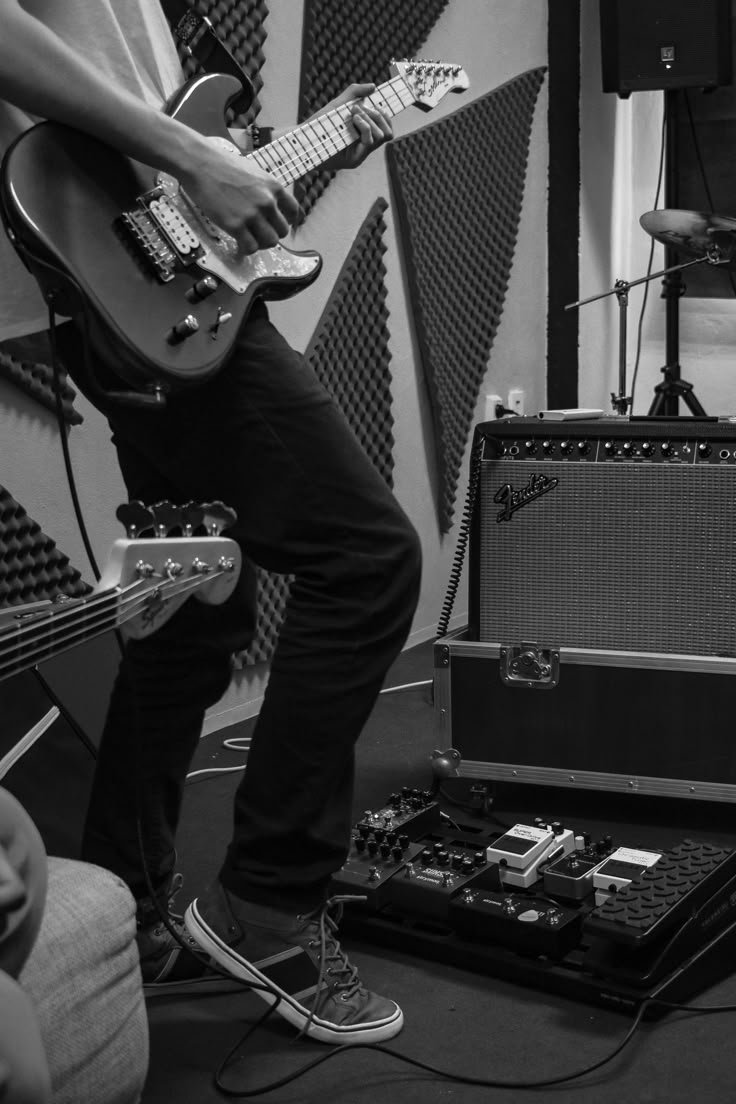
(73,208)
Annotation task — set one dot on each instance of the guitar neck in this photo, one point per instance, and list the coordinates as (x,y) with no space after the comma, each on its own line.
(31,635)
(308,146)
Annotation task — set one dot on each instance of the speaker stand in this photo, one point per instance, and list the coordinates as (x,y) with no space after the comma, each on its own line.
(668,393)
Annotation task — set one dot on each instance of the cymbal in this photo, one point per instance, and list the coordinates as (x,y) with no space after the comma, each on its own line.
(695,232)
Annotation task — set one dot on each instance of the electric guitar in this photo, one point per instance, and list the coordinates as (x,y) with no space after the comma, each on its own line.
(163,290)
(145,580)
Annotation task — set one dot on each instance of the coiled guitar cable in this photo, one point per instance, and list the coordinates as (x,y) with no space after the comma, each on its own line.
(463,536)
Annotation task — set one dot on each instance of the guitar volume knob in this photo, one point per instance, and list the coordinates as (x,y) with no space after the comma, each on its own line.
(204,287)
(183,329)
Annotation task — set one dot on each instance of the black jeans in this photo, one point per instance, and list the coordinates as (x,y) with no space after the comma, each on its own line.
(265,438)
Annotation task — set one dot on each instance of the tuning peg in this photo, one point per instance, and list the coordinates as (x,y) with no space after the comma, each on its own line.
(192,515)
(135,518)
(167,517)
(218,516)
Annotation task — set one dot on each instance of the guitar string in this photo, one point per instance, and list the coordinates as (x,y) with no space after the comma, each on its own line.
(27,642)
(299,158)
(46,639)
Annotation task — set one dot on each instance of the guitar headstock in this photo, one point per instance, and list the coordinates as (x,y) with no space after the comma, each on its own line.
(185,555)
(430,81)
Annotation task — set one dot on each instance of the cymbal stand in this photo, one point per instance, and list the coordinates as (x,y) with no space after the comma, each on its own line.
(621,401)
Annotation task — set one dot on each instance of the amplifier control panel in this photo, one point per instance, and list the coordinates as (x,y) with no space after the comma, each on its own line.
(612,440)
(617,449)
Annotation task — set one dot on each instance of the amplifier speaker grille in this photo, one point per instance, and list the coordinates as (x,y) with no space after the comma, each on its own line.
(621,556)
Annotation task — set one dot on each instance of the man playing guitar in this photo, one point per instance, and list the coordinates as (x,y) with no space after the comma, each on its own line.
(264,437)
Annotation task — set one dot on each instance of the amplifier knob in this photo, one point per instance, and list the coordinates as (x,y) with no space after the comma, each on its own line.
(548,446)
(531,447)
(704,449)
(628,448)
(666,448)
(583,447)
(566,447)
(647,448)
(610,447)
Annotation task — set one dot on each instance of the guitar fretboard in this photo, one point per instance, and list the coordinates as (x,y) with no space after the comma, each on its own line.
(308,146)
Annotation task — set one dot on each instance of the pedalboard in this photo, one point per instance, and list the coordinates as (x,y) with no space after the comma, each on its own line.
(541,904)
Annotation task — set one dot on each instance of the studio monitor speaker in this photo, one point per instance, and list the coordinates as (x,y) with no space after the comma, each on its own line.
(610,534)
(665,44)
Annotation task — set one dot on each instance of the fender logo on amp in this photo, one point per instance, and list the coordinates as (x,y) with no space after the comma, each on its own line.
(511,500)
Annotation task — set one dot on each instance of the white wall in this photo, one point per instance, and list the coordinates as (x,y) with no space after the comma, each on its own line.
(494,40)
(620,155)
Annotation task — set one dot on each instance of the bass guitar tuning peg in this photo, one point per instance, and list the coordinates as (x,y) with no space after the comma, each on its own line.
(135,518)
(167,517)
(192,515)
(217,517)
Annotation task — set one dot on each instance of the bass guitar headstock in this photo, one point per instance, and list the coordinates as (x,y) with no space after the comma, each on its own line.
(430,81)
(185,554)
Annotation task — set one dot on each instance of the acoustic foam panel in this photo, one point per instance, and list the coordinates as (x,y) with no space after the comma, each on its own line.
(37,380)
(32,569)
(352,41)
(458,185)
(349,352)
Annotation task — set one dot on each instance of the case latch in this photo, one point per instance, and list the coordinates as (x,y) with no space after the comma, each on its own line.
(529,666)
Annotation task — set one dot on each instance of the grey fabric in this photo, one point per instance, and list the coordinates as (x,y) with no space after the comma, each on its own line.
(83,978)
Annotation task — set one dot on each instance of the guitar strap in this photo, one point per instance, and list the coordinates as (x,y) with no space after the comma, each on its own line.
(200,40)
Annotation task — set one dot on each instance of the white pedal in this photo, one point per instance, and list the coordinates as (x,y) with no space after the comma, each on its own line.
(561,844)
(520,846)
(621,867)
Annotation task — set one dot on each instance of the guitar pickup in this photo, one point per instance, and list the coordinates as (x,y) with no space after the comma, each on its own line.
(161,234)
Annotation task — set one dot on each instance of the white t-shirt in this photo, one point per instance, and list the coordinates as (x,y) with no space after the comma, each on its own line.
(128,40)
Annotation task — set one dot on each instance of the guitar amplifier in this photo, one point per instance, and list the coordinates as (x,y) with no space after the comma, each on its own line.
(601,641)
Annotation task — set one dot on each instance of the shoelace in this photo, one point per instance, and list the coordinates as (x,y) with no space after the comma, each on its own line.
(345,975)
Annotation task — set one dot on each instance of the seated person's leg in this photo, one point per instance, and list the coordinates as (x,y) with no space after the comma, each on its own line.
(83,976)
(24,1074)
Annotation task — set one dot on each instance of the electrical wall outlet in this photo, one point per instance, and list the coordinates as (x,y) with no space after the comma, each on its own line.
(492,403)
(516,400)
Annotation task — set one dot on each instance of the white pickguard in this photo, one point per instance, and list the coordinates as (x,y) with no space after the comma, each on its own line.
(221,255)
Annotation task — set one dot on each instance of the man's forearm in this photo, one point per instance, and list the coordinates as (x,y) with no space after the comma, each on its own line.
(42,75)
